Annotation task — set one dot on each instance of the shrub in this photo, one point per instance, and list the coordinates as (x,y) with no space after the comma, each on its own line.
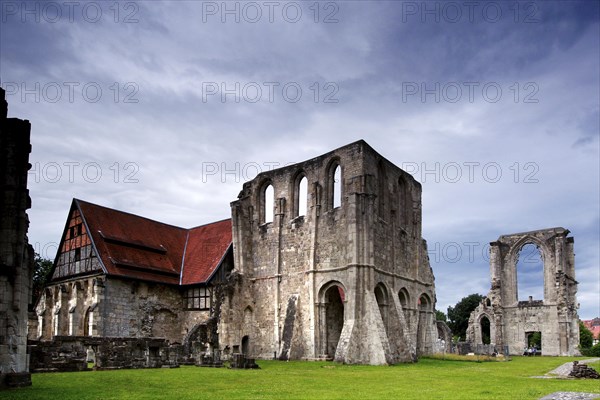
(586,338)
(593,351)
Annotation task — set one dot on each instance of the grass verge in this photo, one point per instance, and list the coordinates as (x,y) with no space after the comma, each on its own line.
(428,379)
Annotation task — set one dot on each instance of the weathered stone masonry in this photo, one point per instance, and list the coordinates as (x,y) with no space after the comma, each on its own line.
(16,255)
(554,316)
(351,282)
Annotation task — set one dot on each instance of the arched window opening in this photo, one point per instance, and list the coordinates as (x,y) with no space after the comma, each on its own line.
(269,196)
(88,320)
(71,329)
(337,187)
(404,298)
(248,316)
(530,273)
(486,334)
(424,303)
(56,324)
(302,206)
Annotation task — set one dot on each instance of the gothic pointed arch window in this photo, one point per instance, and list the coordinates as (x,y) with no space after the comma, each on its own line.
(266,202)
(334,184)
(300,195)
(530,273)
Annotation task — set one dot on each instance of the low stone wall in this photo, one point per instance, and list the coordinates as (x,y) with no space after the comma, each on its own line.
(70,353)
(240,361)
(15,380)
(58,355)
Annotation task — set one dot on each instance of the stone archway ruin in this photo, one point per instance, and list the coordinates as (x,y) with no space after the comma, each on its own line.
(554,316)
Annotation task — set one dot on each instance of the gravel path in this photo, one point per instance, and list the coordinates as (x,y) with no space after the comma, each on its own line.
(571,396)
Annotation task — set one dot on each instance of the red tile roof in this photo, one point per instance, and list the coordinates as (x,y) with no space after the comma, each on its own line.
(594,326)
(205,248)
(140,248)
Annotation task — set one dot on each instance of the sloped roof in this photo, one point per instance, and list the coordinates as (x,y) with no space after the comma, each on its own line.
(140,248)
(594,326)
(206,247)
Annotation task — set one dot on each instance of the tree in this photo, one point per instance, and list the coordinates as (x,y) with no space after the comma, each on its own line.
(41,274)
(535,340)
(458,316)
(440,316)
(586,337)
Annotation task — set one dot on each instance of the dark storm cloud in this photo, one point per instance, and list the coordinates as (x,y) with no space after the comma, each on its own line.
(191,148)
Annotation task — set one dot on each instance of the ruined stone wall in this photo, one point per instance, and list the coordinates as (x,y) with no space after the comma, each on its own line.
(109,307)
(372,240)
(69,309)
(71,353)
(555,316)
(16,255)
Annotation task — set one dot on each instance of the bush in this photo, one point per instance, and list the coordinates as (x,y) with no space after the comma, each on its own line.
(593,351)
(586,337)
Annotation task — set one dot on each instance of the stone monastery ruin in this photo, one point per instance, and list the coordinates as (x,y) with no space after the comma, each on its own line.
(321,260)
(554,317)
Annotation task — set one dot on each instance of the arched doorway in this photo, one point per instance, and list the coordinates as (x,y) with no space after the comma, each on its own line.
(332,318)
(425,316)
(382,302)
(533,341)
(486,330)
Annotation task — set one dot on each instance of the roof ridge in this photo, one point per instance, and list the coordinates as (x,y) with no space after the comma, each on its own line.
(210,223)
(130,214)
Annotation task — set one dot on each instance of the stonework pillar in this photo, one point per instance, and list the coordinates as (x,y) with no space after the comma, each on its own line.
(16,255)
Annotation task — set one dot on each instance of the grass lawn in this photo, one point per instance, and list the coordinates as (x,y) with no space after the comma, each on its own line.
(428,379)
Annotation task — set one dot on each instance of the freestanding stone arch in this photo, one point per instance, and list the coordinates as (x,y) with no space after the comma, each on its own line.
(511,320)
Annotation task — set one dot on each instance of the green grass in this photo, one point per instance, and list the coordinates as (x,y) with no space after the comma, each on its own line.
(472,358)
(428,379)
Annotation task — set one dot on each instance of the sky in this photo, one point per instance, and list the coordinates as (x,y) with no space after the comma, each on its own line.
(164,109)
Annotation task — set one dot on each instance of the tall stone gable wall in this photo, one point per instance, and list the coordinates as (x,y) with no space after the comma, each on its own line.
(555,316)
(16,255)
(370,249)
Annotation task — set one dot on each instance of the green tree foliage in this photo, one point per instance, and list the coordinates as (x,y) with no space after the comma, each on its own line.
(535,340)
(458,316)
(41,274)
(586,338)
(593,351)
(440,316)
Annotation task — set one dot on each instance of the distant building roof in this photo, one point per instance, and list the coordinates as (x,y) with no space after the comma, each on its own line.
(594,326)
(135,247)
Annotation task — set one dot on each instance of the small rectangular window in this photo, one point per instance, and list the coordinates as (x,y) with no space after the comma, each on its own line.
(197,298)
